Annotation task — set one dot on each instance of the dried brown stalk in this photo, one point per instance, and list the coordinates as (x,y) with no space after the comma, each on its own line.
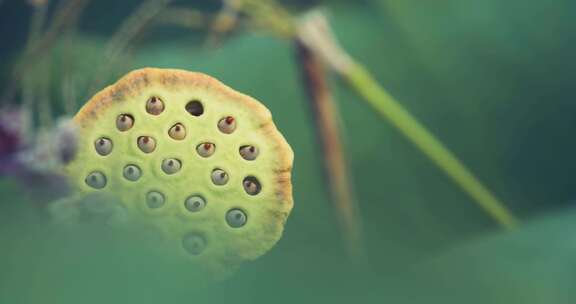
(325,114)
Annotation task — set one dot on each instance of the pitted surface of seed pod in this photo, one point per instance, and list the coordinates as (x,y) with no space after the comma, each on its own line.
(196,160)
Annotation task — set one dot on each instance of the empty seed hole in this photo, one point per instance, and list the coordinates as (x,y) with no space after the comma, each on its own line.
(154,105)
(251,185)
(103,146)
(195,108)
(124,122)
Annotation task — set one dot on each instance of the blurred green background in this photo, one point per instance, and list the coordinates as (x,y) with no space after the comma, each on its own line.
(494,80)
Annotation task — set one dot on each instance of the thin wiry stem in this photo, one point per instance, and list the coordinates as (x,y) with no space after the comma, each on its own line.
(69,80)
(27,86)
(365,85)
(269,16)
(45,117)
(181,16)
(39,13)
(69,94)
(66,14)
(36,23)
(133,25)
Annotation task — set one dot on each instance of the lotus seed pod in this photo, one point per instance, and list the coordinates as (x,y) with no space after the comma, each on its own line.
(199,162)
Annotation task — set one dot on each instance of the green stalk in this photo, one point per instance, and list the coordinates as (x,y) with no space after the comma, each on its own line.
(365,85)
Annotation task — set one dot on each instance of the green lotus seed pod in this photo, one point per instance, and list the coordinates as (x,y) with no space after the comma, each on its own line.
(150,141)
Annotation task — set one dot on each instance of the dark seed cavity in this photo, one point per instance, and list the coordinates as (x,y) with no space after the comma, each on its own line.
(195,108)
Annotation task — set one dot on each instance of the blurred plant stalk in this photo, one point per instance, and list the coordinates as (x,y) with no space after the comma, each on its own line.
(315,33)
(129,30)
(31,74)
(336,172)
(224,22)
(268,15)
